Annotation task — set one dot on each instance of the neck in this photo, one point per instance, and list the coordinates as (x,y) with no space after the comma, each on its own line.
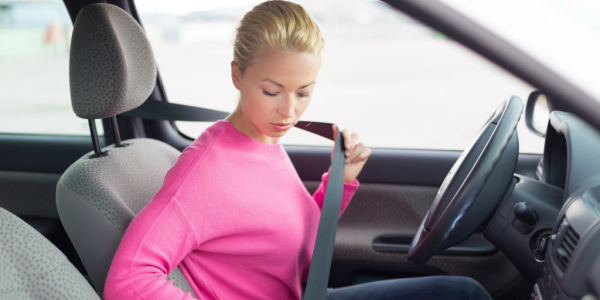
(240,121)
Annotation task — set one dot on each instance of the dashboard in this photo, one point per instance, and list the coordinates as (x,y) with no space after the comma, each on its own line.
(550,228)
(572,162)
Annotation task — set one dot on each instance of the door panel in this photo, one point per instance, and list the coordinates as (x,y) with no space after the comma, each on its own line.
(29,194)
(378,209)
(397,206)
(418,167)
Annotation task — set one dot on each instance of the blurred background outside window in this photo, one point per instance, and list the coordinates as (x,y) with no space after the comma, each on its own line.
(34,69)
(396,82)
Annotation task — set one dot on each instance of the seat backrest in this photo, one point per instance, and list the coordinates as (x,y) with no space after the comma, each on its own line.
(98,198)
(32,268)
(111,70)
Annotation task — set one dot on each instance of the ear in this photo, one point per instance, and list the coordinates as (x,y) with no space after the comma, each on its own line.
(236,75)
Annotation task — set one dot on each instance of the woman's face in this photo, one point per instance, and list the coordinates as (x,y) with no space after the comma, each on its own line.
(274,92)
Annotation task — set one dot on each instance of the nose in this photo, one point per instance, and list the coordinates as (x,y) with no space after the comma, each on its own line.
(286,108)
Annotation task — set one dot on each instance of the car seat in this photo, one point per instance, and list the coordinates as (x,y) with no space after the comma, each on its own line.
(32,268)
(111,70)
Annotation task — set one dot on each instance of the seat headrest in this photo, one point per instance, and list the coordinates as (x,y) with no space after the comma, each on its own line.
(111,67)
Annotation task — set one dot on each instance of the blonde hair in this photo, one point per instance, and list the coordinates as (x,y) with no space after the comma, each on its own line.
(280,25)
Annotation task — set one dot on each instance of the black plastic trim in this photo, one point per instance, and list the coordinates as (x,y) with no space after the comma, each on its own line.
(545,200)
(399,166)
(593,278)
(42,153)
(400,243)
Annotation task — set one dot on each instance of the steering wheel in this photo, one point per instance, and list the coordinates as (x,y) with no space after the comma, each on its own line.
(474,187)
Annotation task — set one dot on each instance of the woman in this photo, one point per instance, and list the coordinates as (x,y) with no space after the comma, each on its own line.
(232,212)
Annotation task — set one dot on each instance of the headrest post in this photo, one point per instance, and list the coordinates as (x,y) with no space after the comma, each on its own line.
(116,134)
(96,141)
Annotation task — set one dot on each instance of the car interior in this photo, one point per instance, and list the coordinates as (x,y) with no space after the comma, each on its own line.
(525,226)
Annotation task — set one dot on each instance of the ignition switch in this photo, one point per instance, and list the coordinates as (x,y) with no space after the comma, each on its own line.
(540,253)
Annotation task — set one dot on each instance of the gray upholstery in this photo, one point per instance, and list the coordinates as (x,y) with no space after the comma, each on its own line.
(32,268)
(98,198)
(129,178)
(111,70)
(111,66)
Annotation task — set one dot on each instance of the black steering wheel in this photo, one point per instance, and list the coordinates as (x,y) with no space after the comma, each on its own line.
(474,187)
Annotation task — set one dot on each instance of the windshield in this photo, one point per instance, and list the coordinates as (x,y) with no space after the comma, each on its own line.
(563,35)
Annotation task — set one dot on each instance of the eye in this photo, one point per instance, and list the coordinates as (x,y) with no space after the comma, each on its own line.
(269,94)
(303,95)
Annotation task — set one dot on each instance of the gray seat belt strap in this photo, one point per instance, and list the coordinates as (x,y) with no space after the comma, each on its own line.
(318,276)
(320,266)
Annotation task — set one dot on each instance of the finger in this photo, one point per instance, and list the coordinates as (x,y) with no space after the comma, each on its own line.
(363,156)
(356,152)
(355,141)
(347,138)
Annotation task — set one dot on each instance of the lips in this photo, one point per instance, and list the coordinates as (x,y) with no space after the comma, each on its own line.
(282,126)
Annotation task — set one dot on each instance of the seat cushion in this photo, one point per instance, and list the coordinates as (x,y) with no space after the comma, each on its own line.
(32,268)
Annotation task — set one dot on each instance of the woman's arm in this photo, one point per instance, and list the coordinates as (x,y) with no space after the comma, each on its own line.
(159,237)
(349,190)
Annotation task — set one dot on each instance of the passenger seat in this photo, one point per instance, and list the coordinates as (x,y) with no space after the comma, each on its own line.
(111,71)
(32,268)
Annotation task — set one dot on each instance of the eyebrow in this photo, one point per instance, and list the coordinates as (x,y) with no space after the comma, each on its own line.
(281,85)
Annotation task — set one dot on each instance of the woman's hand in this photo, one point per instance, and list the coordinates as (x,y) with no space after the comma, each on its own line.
(356,154)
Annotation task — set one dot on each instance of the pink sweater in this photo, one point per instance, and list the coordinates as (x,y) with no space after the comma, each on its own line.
(235,217)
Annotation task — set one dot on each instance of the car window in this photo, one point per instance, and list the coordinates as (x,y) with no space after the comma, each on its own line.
(395,81)
(34,70)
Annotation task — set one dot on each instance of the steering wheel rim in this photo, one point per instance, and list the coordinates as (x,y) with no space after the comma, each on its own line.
(474,186)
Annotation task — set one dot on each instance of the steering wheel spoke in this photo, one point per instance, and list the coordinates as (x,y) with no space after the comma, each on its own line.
(474,186)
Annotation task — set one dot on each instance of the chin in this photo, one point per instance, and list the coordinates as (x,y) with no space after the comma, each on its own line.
(271,132)
(276,134)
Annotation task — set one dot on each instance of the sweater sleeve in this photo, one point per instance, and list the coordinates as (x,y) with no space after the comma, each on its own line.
(143,260)
(349,190)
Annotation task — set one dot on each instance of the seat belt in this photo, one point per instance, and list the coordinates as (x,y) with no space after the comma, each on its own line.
(320,266)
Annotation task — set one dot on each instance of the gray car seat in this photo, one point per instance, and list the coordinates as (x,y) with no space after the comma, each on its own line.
(32,268)
(111,70)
